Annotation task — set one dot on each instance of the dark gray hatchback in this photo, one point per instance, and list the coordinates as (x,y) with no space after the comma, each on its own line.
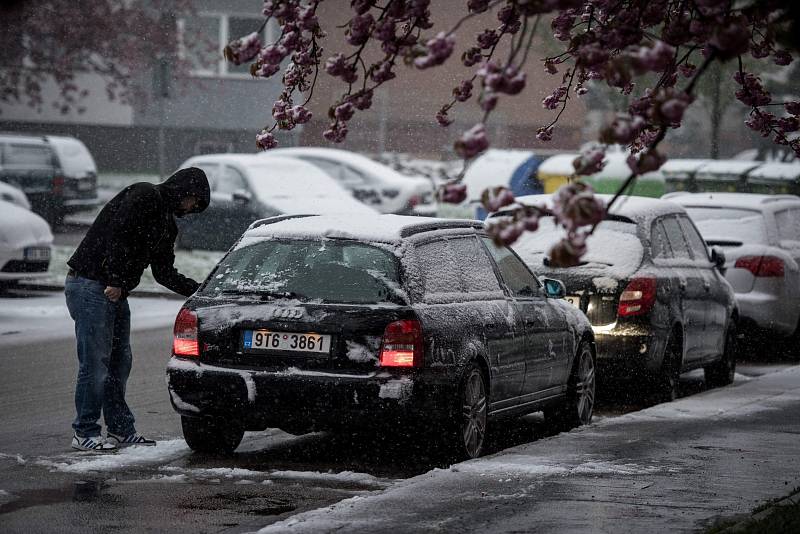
(658,303)
(389,322)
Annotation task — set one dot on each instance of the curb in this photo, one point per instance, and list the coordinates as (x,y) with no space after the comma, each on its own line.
(149,293)
(791,500)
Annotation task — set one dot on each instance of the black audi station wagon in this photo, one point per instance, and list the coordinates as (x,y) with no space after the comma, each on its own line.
(388,322)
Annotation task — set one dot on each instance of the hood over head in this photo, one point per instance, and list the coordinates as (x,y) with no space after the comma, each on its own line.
(185,183)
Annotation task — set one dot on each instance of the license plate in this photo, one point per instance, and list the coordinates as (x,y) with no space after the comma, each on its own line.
(37,254)
(85,185)
(575,301)
(286,341)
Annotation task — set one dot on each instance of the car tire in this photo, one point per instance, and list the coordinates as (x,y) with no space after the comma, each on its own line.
(721,373)
(469,433)
(667,382)
(214,436)
(578,405)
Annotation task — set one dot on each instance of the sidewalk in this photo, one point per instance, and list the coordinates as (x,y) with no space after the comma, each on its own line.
(673,467)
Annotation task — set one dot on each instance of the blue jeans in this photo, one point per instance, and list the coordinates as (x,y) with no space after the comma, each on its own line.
(103,331)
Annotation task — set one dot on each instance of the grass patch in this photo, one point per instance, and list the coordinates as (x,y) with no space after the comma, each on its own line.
(782,520)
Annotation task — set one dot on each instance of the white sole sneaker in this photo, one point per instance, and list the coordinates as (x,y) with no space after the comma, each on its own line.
(92,444)
(134,440)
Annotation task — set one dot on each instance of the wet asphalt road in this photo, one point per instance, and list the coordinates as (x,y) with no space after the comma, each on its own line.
(36,387)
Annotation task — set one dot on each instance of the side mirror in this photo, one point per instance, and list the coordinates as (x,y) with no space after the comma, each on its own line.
(555,289)
(242,197)
(718,258)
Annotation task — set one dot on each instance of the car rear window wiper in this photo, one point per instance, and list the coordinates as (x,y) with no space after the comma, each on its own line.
(280,295)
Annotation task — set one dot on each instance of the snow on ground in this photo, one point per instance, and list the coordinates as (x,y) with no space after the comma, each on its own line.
(45,316)
(525,468)
(86,462)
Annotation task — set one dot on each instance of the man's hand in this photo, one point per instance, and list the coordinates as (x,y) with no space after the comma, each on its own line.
(113,293)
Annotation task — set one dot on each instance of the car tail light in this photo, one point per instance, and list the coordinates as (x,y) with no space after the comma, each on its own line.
(58,184)
(402,344)
(414,201)
(184,341)
(762,266)
(638,297)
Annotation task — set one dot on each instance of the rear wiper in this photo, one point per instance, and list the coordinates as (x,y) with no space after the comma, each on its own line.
(264,294)
(280,295)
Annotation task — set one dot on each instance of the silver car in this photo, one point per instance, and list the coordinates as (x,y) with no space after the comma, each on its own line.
(760,235)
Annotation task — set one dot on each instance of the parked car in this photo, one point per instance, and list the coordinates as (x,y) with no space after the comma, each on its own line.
(340,322)
(655,297)
(57,174)
(372,183)
(78,171)
(25,242)
(248,187)
(760,235)
(15,196)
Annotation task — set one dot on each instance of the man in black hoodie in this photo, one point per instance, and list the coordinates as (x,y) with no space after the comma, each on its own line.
(135,229)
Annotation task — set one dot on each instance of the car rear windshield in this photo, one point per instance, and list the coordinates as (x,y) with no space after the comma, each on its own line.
(21,154)
(614,250)
(735,225)
(339,271)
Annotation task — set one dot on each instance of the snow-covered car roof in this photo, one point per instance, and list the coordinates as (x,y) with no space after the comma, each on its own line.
(370,228)
(733,200)
(21,138)
(288,184)
(775,171)
(640,210)
(492,169)
(355,160)
(21,228)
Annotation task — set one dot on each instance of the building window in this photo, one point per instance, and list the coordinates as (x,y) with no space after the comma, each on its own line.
(203,37)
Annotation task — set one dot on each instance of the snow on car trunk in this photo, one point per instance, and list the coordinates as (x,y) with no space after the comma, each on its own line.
(614,253)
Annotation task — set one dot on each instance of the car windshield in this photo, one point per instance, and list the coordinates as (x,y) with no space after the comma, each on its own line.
(720,225)
(340,271)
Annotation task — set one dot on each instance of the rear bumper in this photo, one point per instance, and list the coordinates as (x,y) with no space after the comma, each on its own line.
(305,399)
(80,204)
(769,311)
(625,351)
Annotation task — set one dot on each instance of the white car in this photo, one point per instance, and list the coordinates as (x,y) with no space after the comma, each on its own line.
(372,183)
(15,196)
(760,235)
(248,187)
(25,242)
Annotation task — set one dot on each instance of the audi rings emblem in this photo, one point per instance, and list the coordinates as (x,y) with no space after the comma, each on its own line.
(288,313)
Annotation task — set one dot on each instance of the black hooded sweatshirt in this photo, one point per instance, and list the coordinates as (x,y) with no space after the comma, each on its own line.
(136,229)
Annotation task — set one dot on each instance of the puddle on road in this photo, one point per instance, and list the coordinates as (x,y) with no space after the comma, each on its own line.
(83,491)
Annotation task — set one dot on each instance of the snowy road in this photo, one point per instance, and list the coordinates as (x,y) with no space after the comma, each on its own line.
(276,477)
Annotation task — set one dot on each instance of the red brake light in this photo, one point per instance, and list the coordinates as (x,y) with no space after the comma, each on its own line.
(402,344)
(762,266)
(184,342)
(58,184)
(414,200)
(638,297)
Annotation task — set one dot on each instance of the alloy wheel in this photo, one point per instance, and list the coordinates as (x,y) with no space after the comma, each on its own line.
(585,387)
(474,414)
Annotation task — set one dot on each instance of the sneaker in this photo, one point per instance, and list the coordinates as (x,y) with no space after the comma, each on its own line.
(92,443)
(133,439)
